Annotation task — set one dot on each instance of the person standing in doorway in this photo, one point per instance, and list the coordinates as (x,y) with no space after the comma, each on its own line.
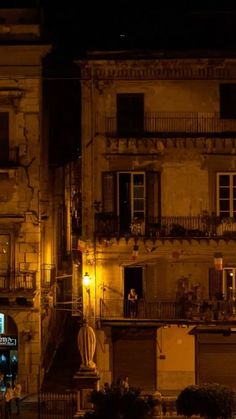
(132,298)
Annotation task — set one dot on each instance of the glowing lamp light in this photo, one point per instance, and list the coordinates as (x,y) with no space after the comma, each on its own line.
(218,261)
(86,279)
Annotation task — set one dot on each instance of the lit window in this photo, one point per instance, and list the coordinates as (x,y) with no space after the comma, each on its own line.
(1,323)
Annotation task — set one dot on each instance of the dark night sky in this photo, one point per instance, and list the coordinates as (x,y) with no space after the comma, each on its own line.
(151,25)
(75,25)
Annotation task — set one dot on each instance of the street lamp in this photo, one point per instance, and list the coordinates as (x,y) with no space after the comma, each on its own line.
(86,280)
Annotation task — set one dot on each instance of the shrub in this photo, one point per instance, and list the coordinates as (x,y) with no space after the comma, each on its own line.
(209,400)
(116,404)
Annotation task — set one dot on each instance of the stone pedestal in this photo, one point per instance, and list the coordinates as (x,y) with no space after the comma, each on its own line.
(84,383)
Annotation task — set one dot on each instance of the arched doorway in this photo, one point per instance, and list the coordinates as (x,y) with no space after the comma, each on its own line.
(8,350)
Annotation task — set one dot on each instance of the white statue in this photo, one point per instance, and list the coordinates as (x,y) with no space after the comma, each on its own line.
(87,346)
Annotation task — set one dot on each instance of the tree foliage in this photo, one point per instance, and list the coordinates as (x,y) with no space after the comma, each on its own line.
(117,404)
(208,400)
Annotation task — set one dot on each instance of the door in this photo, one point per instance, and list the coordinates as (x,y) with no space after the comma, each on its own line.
(216,359)
(130,114)
(134,355)
(133,278)
(131,196)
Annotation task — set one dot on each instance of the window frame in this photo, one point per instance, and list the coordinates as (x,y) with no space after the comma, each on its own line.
(231,209)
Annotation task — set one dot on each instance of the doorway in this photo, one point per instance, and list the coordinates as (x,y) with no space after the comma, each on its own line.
(133,278)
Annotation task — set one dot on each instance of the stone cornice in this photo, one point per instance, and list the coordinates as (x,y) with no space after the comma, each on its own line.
(173,69)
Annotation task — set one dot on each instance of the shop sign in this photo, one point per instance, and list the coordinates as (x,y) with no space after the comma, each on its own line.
(8,341)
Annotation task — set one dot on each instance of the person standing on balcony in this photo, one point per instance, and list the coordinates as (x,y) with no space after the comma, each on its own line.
(133,303)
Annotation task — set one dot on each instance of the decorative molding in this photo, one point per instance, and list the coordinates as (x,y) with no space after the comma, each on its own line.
(158,70)
(206,145)
(11,97)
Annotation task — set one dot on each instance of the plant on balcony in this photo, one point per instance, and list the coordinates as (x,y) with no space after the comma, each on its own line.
(211,401)
(116,403)
(136,226)
(227,226)
(177,230)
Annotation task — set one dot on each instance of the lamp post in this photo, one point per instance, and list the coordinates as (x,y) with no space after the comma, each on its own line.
(87,302)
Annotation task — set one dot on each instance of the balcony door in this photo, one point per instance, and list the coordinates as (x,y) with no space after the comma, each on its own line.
(226,195)
(130,114)
(131,199)
(133,278)
(131,196)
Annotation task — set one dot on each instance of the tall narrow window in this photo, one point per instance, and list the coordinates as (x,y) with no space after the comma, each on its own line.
(4,136)
(131,198)
(228,100)
(226,194)
(130,114)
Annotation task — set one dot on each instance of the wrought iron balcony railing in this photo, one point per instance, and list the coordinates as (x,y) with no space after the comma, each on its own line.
(167,122)
(207,310)
(109,224)
(15,282)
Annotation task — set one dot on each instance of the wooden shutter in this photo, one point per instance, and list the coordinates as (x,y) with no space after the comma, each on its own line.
(135,357)
(109,192)
(4,136)
(153,201)
(130,114)
(216,359)
(215,283)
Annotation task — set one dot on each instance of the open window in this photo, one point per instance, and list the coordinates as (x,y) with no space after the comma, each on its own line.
(132,197)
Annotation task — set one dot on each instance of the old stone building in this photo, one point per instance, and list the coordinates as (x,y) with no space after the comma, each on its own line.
(26,267)
(158,212)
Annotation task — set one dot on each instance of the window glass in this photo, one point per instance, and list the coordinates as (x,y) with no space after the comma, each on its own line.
(1,323)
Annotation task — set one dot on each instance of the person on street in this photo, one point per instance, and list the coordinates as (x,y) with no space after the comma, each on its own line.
(17,395)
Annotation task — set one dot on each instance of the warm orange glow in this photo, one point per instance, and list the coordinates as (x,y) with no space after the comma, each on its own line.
(86,279)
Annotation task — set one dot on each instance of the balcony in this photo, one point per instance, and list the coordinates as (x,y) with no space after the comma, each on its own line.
(166,311)
(171,123)
(211,226)
(17,289)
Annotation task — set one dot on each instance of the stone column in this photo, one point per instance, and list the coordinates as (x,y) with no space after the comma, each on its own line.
(87,378)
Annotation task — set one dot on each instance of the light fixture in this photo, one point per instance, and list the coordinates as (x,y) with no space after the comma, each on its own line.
(86,279)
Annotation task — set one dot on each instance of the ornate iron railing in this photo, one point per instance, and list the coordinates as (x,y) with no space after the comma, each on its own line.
(109,224)
(168,122)
(207,310)
(22,281)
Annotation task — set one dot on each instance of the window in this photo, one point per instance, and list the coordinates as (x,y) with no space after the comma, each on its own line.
(2,329)
(4,136)
(228,101)
(226,194)
(132,196)
(222,284)
(130,114)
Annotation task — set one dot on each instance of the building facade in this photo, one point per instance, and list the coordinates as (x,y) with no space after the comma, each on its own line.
(25,226)
(158,216)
